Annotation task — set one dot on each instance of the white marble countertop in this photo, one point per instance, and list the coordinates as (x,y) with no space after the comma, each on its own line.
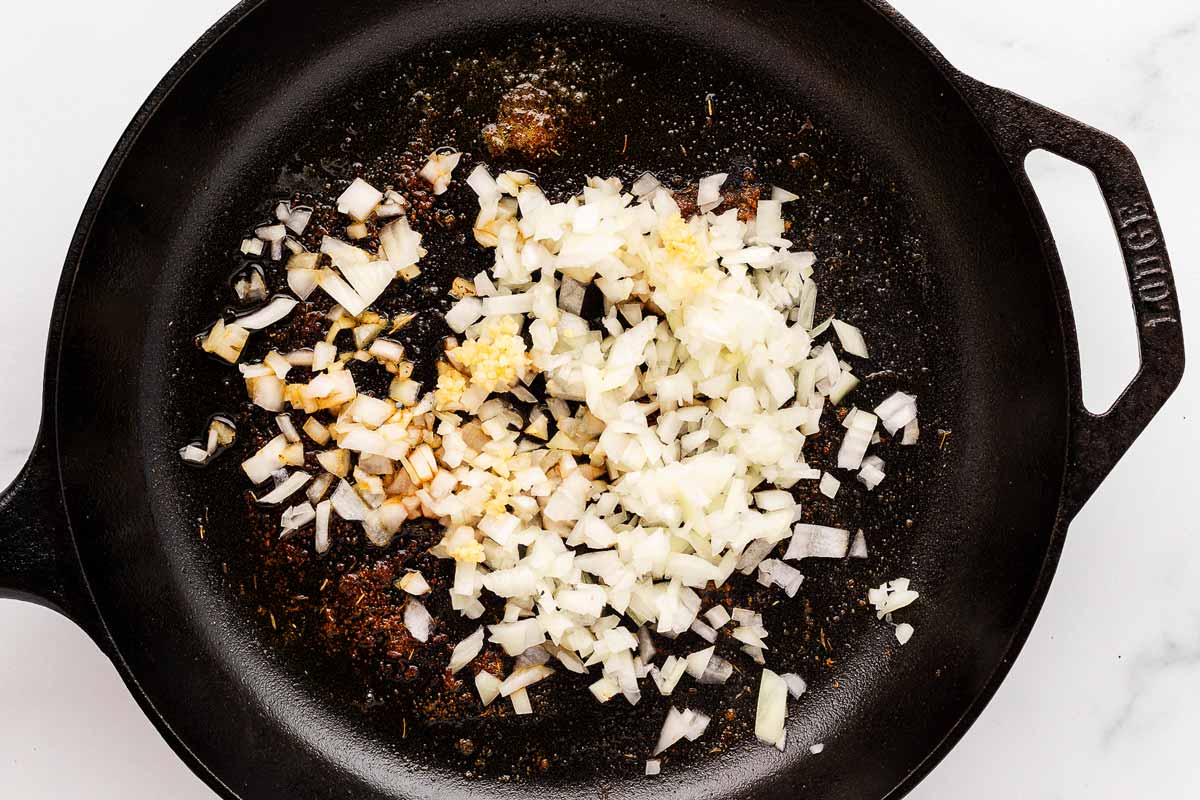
(1101,704)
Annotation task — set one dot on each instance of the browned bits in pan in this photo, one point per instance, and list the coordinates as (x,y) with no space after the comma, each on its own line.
(527,124)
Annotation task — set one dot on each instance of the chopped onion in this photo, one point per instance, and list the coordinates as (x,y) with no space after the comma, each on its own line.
(717,617)
(708,195)
(193,454)
(717,671)
(858,549)
(321,537)
(438,168)
(817,749)
(298,220)
(897,411)
(703,631)
(414,583)
(488,686)
(465,651)
(912,432)
(294,483)
(340,291)
(465,313)
(523,678)
(520,702)
(829,485)
(871,474)
(347,504)
(857,440)
(851,338)
(287,428)
(772,709)
(271,233)
(653,766)
(297,517)
(226,341)
(678,725)
(817,541)
(795,684)
(387,350)
(891,596)
(417,620)
(904,632)
(359,199)
(645,185)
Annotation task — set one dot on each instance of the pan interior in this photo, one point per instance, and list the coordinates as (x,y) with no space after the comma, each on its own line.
(920,237)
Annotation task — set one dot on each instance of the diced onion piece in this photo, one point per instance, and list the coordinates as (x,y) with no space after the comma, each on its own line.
(465,313)
(697,662)
(871,474)
(296,518)
(851,338)
(359,199)
(817,749)
(605,689)
(857,440)
(897,411)
(645,185)
(321,537)
(716,672)
(193,454)
(302,281)
(465,651)
(795,684)
(324,354)
(298,219)
(226,341)
(347,503)
(891,597)
(271,233)
(772,709)
(523,678)
(417,620)
(912,432)
(287,428)
(341,292)
(653,766)
(858,549)
(708,194)
(817,541)
(829,485)
(401,244)
(415,584)
(904,632)
(316,430)
(387,350)
(488,686)
(275,309)
(520,702)
(438,169)
(294,483)
(266,461)
(717,617)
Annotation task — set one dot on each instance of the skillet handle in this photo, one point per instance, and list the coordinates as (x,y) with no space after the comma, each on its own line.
(38,563)
(1097,441)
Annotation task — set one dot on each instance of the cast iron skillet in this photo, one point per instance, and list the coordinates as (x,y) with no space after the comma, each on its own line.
(916,202)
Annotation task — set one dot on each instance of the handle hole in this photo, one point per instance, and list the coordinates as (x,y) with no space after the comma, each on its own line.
(1091,258)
